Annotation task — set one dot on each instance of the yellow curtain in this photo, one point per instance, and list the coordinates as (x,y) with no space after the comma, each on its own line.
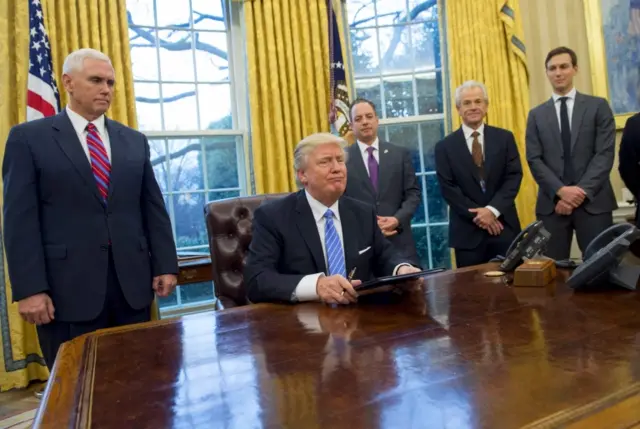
(486,44)
(71,25)
(288,72)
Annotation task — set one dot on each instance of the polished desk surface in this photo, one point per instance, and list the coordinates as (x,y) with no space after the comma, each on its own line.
(463,351)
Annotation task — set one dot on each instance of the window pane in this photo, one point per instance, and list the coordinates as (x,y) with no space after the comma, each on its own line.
(148,106)
(429,88)
(215,106)
(221,195)
(440,251)
(398,95)
(141,12)
(391,11)
(420,216)
(395,49)
(406,136)
(179,107)
(437,206)
(364,50)
(370,89)
(422,9)
(196,292)
(221,161)
(176,58)
(361,13)
(170,300)
(185,165)
(173,12)
(432,132)
(158,151)
(144,57)
(422,245)
(426,44)
(189,219)
(212,63)
(208,14)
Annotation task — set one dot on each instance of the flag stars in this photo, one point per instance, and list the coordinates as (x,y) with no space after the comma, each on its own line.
(42,71)
(36,3)
(36,45)
(39,57)
(39,14)
(33,32)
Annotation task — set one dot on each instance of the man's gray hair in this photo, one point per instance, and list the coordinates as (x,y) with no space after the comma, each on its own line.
(308,144)
(75,60)
(470,84)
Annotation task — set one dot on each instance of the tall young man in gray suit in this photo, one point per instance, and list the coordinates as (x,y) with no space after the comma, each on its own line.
(86,232)
(382,175)
(570,149)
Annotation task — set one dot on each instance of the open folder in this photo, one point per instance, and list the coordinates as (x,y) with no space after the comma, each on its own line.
(392,280)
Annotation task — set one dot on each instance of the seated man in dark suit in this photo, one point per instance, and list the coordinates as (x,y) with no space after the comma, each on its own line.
(304,244)
(479,172)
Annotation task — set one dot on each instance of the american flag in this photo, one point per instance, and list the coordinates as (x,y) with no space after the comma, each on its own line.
(339,107)
(43,98)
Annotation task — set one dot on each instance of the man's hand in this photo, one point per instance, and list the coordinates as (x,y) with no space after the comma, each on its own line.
(486,220)
(164,284)
(572,195)
(408,269)
(564,208)
(388,225)
(37,309)
(337,290)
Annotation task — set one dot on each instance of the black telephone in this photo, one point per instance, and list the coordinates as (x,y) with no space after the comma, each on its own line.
(603,257)
(529,243)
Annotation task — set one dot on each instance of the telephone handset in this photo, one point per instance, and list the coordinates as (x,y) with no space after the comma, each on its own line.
(529,243)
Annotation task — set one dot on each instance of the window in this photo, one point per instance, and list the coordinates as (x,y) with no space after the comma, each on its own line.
(185,66)
(396,50)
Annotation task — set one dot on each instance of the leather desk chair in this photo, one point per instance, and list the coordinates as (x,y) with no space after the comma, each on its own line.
(229,231)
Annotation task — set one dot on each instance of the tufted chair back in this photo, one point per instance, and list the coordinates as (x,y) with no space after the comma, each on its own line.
(229,229)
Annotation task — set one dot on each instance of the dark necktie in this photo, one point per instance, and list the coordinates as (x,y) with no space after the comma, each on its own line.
(373,168)
(565,133)
(478,157)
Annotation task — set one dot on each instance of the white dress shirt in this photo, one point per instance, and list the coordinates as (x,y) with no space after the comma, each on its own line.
(365,153)
(80,126)
(306,289)
(571,99)
(468,131)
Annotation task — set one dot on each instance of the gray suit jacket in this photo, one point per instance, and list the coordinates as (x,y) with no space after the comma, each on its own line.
(57,231)
(592,152)
(398,191)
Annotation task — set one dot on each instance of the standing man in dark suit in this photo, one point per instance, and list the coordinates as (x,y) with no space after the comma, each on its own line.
(306,245)
(479,171)
(381,174)
(86,232)
(629,158)
(570,150)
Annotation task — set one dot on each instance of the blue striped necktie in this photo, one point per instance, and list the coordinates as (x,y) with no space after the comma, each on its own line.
(335,254)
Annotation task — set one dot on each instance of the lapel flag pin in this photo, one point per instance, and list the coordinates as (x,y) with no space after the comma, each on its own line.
(386,150)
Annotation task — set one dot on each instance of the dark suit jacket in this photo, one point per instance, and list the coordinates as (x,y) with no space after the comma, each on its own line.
(57,230)
(460,183)
(398,191)
(286,246)
(629,157)
(593,151)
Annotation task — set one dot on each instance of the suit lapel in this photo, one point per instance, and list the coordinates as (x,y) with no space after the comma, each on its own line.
(118,154)
(576,118)
(307,226)
(385,163)
(461,152)
(349,235)
(552,120)
(357,164)
(66,137)
(490,151)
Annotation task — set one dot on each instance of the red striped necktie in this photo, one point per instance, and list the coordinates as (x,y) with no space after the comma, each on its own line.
(100,164)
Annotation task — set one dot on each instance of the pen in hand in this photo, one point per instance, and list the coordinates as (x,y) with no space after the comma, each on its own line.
(351,274)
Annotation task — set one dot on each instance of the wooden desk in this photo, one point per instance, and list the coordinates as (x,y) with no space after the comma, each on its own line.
(466,351)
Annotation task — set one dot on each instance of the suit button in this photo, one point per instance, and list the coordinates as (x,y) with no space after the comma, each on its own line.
(104,247)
